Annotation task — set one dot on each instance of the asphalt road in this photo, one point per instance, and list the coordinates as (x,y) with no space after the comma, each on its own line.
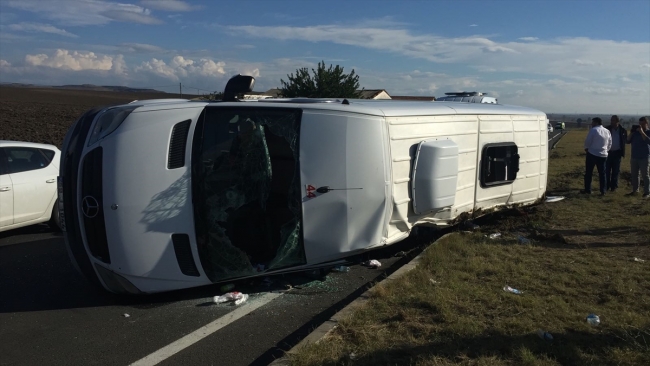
(50,315)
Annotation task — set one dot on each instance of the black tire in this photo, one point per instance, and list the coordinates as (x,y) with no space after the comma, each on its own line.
(55,220)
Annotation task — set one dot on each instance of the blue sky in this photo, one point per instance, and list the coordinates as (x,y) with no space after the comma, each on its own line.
(558,56)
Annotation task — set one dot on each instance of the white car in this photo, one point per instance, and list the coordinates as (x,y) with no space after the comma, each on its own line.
(550,127)
(28,189)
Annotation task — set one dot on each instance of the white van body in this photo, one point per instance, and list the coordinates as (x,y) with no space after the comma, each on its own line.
(383,167)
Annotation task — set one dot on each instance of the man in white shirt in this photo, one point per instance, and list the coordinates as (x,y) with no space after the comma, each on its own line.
(597,144)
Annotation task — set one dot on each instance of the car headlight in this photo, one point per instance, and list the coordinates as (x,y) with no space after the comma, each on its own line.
(108,121)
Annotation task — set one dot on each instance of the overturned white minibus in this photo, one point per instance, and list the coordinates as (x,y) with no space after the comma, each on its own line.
(169,194)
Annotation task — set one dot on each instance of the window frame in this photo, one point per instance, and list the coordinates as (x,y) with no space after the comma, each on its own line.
(515,157)
(34,150)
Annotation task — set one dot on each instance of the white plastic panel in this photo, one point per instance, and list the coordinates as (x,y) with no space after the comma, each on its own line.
(435,174)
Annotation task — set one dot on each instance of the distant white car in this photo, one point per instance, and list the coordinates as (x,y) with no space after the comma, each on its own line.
(28,188)
(550,127)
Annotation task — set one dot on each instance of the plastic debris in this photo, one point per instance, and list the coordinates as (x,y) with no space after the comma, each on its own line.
(593,319)
(544,335)
(433,281)
(639,260)
(551,199)
(494,236)
(353,356)
(341,269)
(523,240)
(226,288)
(373,263)
(512,290)
(234,297)
(126,315)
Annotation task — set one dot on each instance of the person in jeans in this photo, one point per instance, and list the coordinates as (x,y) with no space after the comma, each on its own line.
(615,154)
(597,144)
(639,138)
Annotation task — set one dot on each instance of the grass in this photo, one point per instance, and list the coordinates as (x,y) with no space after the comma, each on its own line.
(452,308)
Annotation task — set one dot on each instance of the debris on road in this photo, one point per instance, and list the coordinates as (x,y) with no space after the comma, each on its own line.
(551,199)
(593,319)
(639,260)
(544,335)
(126,315)
(235,297)
(512,290)
(373,263)
(341,269)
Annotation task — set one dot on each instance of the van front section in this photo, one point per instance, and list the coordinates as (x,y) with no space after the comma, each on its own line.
(124,182)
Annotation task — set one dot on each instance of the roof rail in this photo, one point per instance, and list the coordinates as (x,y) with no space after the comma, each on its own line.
(466,94)
(300,100)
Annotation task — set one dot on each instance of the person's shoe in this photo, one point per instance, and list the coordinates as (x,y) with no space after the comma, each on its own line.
(633,193)
(585,191)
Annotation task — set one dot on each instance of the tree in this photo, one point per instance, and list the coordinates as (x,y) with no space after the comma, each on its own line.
(325,83)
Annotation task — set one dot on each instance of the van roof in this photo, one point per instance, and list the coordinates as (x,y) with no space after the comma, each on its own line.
(387,108)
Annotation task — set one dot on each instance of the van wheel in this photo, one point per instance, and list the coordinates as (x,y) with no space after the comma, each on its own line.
(55,220)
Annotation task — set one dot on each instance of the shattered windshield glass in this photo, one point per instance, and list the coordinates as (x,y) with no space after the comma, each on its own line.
(246,182)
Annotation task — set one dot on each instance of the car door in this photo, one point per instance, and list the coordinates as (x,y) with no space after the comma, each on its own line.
(34,185)
(6,193)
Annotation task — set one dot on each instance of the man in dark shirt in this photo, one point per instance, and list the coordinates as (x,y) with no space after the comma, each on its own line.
(639,138)
(616,153)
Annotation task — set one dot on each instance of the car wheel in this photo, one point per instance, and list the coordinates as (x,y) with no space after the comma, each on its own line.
(55,220)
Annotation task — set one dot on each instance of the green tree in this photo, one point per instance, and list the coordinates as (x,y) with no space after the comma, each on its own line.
(325,83)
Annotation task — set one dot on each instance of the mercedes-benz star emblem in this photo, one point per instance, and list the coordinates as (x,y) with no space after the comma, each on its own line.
(90,207)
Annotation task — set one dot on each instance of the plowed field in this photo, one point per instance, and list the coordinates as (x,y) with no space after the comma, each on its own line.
(44,115)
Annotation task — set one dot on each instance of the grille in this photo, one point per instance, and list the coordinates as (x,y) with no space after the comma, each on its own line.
(92,205)
(177,145)
(184,256)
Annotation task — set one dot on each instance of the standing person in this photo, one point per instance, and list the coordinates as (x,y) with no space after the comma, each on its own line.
(597,144)
(615,154)
(639,138)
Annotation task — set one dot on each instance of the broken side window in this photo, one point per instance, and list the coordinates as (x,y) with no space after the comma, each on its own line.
(246,190)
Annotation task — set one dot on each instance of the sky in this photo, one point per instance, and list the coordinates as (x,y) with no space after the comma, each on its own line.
(569,56)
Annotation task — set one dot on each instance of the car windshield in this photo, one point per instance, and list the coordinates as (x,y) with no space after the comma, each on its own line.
(246,189)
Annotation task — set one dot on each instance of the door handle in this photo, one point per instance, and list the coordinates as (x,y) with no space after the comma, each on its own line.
(5,189)
(50,181)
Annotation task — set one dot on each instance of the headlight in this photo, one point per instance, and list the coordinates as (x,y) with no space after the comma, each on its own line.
(108,121)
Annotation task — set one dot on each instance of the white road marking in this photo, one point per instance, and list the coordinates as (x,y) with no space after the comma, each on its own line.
(188,340)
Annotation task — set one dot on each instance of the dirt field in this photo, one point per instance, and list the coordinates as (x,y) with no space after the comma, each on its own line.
(44,115)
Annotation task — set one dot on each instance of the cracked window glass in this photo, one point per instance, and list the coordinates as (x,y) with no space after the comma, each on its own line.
(246,189)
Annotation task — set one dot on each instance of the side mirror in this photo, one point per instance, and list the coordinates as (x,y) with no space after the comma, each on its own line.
(236,85)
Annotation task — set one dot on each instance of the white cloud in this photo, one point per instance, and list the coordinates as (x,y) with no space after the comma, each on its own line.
(528,39)
(168,5)
(43,28)
(86,12)
(181,67)
(647,66)
(4,63)
(75,60)
(140,48)
(473,25)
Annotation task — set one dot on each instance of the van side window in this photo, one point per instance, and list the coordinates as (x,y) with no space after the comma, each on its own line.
(3,162)
(499,164)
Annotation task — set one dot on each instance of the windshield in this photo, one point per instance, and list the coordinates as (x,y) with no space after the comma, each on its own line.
(246,191)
